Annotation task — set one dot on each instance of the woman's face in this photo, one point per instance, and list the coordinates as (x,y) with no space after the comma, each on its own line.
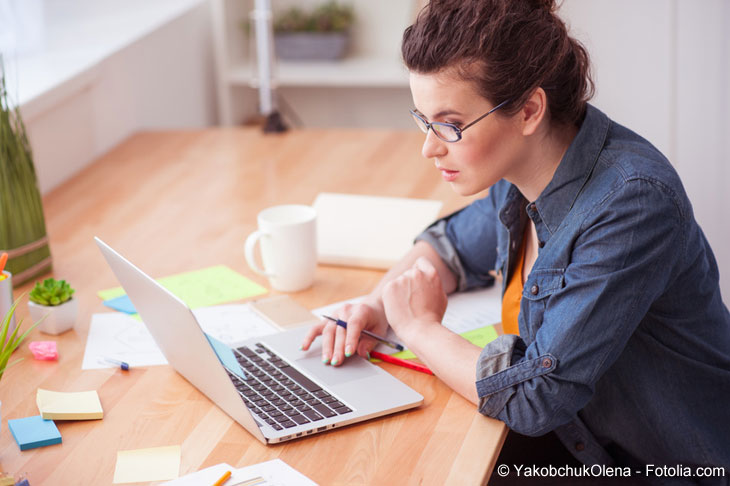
(487,152)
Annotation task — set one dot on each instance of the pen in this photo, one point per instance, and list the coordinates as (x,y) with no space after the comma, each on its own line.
(3,261)
(342,323)
(123,365)
(400,362)
(223,479)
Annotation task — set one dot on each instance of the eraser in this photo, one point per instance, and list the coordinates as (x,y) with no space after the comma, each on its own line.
(44,350)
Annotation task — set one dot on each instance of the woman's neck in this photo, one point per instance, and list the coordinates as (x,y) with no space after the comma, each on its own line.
(543,152)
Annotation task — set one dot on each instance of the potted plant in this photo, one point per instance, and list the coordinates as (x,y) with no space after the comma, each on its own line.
(9,339)
(23,233)
(52,299)
(320,35)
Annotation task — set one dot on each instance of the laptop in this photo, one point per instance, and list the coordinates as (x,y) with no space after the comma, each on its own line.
(287,393)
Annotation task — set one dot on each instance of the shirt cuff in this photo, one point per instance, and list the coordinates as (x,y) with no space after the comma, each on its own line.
(435,235)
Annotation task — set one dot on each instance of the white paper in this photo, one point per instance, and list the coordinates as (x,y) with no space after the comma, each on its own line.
(233,323)
(273,473)
(118,336)
(465,311)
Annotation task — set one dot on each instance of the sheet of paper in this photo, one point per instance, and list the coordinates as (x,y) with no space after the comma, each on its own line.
(233,323)
(32,432)
(275,473)
(143,465)
(118,336)
(466,311)
(69,405)
(200,288)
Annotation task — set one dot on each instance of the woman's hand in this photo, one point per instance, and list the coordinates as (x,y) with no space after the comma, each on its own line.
(338,342)
(414,299)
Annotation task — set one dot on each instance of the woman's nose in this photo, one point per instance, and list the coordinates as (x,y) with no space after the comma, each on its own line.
(433,147)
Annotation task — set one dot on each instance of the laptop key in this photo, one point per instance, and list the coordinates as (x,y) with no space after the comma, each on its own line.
(324,410)
(302,380)
(342,409)
(329,399)
(288,424)
(276,426)
(246,351)
(312,415)
(320,393)
(299,419)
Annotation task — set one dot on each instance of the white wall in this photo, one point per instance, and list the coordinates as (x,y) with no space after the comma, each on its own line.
(163,80)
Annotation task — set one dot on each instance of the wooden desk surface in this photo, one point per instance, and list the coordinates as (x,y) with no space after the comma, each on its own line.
(179,201)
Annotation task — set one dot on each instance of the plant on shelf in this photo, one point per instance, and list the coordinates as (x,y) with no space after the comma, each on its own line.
(22,225)
(9,339)
(321,34)
(53,298)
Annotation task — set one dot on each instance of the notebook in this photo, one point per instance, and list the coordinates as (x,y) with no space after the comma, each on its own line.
(369,231)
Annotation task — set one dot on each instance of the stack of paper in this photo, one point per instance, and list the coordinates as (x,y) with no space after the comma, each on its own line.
(69,406)
(270,473)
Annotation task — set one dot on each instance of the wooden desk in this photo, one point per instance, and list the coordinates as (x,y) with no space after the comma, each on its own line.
(178,201)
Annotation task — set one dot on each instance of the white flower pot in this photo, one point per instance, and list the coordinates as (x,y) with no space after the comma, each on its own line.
(60,318)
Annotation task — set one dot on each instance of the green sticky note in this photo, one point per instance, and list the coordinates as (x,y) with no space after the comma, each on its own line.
(202,288)
(478,337)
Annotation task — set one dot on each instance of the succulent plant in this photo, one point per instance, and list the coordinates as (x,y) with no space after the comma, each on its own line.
(51,292)
(327,17)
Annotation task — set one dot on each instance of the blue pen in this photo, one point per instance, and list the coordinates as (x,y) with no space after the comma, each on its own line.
(342,323)
(123,365)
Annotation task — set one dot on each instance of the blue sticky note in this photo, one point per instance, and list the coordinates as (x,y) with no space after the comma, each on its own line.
(122,304)
(32,432)
(227,357)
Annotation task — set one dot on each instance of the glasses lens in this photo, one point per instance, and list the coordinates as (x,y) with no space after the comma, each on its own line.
(447,133)
(421,124)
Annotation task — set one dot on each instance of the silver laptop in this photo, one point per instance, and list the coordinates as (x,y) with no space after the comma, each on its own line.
(286,393)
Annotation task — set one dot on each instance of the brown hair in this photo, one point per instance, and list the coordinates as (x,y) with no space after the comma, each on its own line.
(508,48)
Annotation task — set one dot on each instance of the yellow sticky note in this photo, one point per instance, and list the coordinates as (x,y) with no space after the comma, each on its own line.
(144,465)
(202,288)
(69,406)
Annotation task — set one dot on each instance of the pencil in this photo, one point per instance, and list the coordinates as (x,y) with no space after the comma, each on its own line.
(401,362)
(223,479)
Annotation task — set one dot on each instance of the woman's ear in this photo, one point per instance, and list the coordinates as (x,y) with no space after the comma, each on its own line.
(533,111)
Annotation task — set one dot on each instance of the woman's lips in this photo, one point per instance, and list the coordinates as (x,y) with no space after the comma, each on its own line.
(449,175)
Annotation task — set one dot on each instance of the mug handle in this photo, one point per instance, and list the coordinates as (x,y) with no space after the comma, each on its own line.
(251,241)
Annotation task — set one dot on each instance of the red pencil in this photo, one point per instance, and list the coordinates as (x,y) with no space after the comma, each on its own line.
(400,362)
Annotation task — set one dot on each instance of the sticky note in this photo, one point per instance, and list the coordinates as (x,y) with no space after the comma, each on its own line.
(122,304)
(69,406)
(226,356)
(144,465)
(32,432)
(202,288)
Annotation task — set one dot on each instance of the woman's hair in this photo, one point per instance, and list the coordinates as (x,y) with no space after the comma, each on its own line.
(508,48)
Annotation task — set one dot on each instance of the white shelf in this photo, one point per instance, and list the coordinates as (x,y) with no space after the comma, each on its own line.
(349,72)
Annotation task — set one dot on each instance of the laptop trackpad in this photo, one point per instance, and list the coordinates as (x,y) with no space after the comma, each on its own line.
(350,370)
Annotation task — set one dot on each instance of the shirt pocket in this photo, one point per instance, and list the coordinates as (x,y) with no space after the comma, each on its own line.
(540,285)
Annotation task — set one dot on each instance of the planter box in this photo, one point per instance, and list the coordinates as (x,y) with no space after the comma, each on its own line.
(311,46)
(60,318)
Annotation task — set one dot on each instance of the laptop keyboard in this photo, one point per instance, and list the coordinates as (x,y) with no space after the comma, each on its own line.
(279,394)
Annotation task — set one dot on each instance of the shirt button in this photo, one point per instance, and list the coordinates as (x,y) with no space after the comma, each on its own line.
(547,363)
(540,243)
(532,207)
(579,446)
(534,289)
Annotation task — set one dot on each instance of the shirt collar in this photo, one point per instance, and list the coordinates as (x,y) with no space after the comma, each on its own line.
(574,169)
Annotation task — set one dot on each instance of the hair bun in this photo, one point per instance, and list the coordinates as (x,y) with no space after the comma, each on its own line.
(549,5)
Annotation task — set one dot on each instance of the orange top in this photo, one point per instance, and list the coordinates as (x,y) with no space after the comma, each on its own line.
(512,296)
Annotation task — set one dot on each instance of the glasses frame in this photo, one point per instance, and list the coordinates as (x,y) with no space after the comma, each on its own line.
(457,130)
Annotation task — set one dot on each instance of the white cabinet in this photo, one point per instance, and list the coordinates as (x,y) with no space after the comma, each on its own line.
(372,71)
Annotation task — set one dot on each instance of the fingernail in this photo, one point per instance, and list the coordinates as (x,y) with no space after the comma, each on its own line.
(325,360)
(301,348)
(368,354)
(348,351)
(334,362)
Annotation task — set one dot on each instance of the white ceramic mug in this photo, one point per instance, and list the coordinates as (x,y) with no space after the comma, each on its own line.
(288,236)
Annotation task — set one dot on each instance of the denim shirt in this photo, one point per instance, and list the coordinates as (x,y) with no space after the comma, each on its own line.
(624,345)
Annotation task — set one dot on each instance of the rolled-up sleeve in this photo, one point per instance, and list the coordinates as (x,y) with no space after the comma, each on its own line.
(467,242)
(621,261)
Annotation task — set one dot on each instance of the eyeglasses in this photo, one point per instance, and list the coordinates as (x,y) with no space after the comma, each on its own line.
(448,132)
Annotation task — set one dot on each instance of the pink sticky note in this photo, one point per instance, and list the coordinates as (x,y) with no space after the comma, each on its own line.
(44,350)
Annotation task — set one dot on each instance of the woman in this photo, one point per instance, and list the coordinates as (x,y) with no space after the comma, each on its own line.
(616,341)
